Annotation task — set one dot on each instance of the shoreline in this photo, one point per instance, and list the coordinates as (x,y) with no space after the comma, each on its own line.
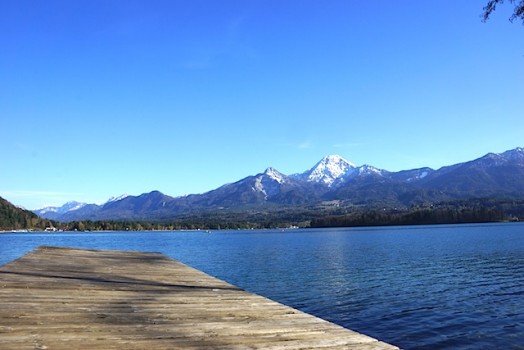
(393,226)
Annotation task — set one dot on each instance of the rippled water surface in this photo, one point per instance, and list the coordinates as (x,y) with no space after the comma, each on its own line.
(425,287)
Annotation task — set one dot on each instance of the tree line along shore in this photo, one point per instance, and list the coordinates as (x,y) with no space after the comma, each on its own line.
(463,211)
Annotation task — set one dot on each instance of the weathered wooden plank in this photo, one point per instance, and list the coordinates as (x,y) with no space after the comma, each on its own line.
(63,298)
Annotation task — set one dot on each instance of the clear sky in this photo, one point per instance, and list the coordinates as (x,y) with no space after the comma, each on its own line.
(101,98)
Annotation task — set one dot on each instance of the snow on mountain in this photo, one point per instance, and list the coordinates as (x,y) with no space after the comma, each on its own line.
(54,212)
(69,206)
(330,169)
(47,210)
(495,159)
(370,170)
(75,206)
(420,175)
(492,174)
(516,154)
(275,175)
(116,199)
(269,182)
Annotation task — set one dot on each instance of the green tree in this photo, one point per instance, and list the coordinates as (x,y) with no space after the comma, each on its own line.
(518,11)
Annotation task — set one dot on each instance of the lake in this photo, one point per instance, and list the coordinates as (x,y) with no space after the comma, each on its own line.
(417,287)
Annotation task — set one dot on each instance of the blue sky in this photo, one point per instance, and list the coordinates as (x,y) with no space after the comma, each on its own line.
(101,98)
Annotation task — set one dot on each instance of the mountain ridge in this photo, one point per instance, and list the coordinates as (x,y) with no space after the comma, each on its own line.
(16,218)
(331,179)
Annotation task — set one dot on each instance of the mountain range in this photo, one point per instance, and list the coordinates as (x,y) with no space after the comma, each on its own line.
(333,181)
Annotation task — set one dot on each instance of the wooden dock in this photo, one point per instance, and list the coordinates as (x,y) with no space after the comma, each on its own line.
(62,298)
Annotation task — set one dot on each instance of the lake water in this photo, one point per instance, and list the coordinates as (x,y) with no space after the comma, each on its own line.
(423,287)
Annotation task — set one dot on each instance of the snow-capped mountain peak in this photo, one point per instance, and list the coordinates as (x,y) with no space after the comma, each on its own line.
(269,182)
(47,210)
(70,206)
(370,170)
(514,154)
(498,159)
(67,207)
(116,199)
(330,169)
(274,175)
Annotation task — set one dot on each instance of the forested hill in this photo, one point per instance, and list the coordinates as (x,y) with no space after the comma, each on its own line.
(14,218)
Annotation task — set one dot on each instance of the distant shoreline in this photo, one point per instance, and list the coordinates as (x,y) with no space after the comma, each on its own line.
(266,229)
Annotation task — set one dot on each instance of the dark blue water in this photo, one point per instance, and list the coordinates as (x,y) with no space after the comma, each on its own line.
(426,287)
